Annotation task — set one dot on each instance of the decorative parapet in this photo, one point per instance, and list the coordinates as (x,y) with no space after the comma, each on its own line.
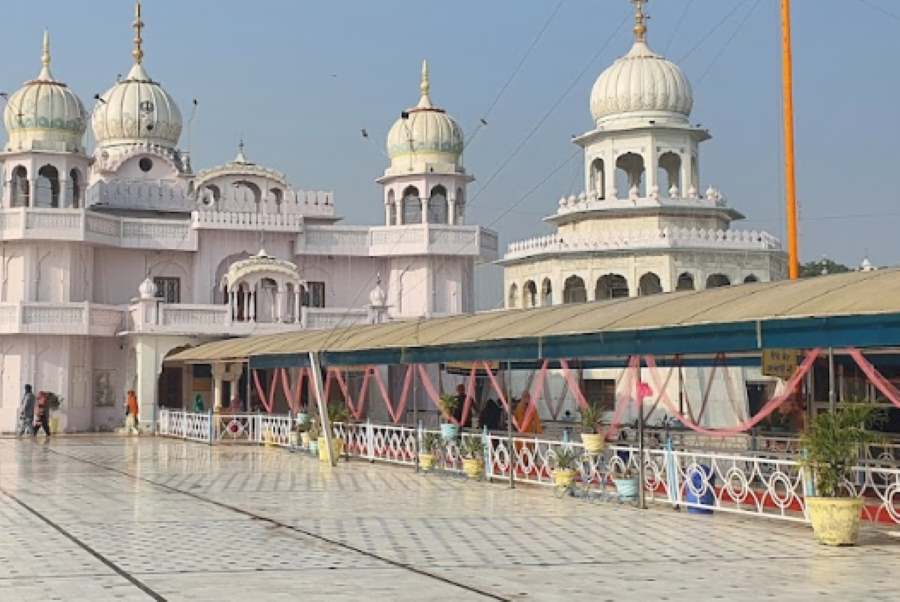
(230,220)
(152,195)
(584,202)
(84,225)
(385,241)
(666,238)
(77,318)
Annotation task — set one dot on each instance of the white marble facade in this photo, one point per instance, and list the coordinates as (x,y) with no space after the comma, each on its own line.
(113,257)
(645,223)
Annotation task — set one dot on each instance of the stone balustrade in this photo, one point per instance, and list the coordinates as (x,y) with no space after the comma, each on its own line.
(74,318)
(712,199)
(230,220)
(382,241)
(83,225)
(666,238)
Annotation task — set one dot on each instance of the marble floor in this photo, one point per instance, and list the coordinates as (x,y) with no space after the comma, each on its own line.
(112,518)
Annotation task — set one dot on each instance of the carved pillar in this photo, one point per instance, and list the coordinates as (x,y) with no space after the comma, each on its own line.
(451,211)
(245,315)
(252,296)
(279,305)
(424,210)
(387,213)
(297,305)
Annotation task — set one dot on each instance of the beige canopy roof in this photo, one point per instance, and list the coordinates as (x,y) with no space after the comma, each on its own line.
(852,294)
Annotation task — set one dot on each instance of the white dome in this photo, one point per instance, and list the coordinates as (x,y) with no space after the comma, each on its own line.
(44,114)
(425,134)
(136,110)
(642,84)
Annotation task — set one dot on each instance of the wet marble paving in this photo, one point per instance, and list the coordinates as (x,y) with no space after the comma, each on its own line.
(113,518)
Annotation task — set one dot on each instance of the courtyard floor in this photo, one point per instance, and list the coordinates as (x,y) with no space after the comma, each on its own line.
(107,518)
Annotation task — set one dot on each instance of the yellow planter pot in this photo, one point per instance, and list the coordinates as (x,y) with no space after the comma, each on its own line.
(337,447)
(268,438)
(304,439)
(563,478)
(835,521)
(593,443)
(473,467)
(426,461)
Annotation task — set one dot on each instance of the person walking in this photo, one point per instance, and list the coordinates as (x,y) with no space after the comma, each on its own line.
(26,413)
(131,414)
(42,414)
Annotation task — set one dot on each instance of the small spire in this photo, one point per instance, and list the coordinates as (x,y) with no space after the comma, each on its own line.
(241,157)
(138,25)
(45,74)
(425,88)
(640,21)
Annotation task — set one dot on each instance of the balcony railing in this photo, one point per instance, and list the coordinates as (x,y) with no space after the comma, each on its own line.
(666,238)
(84,225)
(77,318)
(382,241)
(230,220)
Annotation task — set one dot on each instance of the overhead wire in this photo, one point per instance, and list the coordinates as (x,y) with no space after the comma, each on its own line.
(483,120)
(737,30)
(678,23)
(712,31)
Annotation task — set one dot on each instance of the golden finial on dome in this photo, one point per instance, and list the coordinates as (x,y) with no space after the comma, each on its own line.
(138,25)
(640,21)
(425,87)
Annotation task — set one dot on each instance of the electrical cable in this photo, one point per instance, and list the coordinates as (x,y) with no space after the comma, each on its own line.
(728,42)
(712,31)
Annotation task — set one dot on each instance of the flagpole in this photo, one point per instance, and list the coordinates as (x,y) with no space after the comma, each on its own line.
(787,77)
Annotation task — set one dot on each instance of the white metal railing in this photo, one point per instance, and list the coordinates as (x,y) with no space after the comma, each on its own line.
(750,485)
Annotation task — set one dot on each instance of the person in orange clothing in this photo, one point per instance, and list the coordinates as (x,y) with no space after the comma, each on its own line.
(534,423)
(131,413)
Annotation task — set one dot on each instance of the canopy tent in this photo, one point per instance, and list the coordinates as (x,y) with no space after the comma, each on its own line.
(860,309)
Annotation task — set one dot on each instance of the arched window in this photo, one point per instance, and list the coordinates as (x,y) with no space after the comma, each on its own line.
(751,278)
(513,300)
(611,286)
(249,191)
(546,293)
(211,195)
(47,187)
(630,176)
(574,291)
(412,206)
(685,282)
(717,280)
(21,191)
(649,284)
(598,178)
(278,197)
(529,294)
(75,184)
(437,206)
(669,175)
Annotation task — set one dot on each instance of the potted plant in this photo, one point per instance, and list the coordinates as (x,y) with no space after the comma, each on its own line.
(472,449)
(303,429)
(564,461)
(449,404)
(832,444)
(593,442)
(626,482)
(294,435)
(431,447)
(302,418)
(312,436)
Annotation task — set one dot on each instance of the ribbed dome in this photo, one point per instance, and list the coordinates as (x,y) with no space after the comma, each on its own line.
(136,109)
(641,82)
(425,134)
(45,114)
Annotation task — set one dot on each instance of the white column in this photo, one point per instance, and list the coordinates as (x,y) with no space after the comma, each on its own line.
(279,305)
(232,304)
(424,210)
(387,214)
(252,304)
(245,315)
(451,211)
(651,163)
(218,385)
(297,305)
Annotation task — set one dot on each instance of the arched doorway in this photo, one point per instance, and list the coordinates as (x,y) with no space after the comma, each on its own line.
(611,286)
(574,290)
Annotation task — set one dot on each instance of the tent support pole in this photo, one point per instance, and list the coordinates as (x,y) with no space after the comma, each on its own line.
(642,500)
(316,375)
(832,392)
(415,401)
(509,424)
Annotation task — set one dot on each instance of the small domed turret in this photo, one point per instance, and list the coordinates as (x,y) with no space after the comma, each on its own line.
(45,114)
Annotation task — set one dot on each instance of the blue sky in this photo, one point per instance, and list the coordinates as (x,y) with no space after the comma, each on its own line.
(300,79)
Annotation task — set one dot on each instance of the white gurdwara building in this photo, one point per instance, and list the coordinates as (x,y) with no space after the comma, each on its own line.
(642,226)
(113,259)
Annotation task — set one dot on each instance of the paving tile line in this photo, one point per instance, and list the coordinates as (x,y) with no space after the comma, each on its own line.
(103,559)
(259,517)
